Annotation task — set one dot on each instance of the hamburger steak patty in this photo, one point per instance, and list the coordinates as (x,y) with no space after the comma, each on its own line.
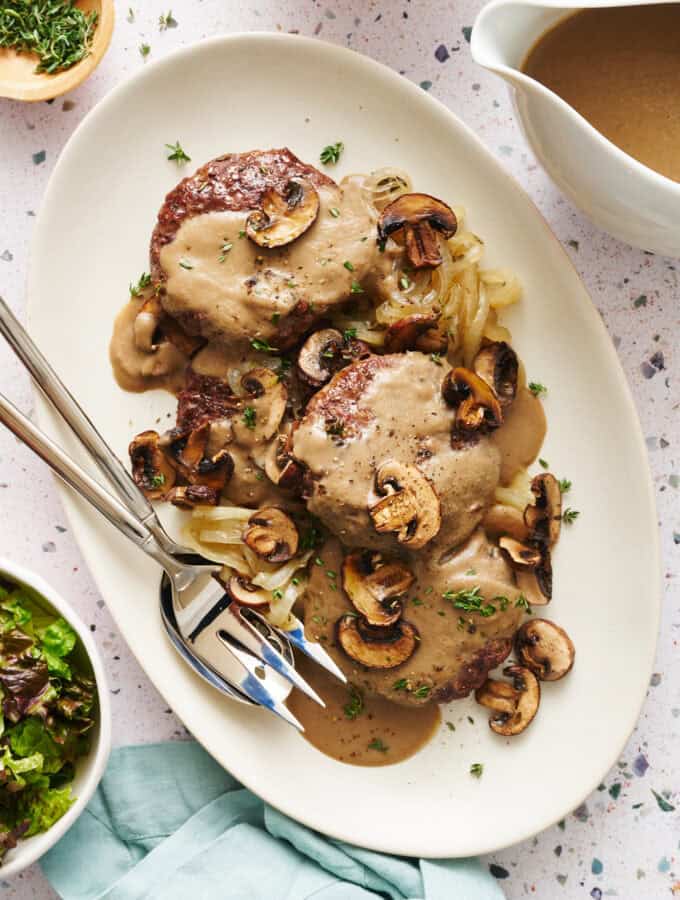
(382,409)
(220,285)
(456,650)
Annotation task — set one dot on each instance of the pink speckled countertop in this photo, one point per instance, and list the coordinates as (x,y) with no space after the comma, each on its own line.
(620,843)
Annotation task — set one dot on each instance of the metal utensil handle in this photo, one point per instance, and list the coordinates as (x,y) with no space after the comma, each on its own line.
(75,417)
(115,511)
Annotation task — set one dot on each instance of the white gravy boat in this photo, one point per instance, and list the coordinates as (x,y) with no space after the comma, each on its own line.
(620,194)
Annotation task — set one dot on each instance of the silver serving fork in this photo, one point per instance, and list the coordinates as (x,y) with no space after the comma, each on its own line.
(233,648)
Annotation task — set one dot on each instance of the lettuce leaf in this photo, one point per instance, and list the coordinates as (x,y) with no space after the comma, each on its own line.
(43,808)
(59,638)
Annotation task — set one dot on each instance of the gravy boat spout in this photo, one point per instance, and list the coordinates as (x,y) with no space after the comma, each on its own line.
(621,195)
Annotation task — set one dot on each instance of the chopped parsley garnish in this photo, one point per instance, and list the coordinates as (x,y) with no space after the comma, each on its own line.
(476,770)
(569,516)
(224,249)
(356,288)
(417,601)
(167,21)
(241,234)
(158,480)
(144,50)
(470,600)
(277,594)
(349,334)
(355,705)
(379,745)
(144,282)
(543,463)
(503,603)
(450,726)
(348,265)
(436,358)
(334,211)
(565,485)
(331,153)
(522,603)
(422,691)
(185,264)
(311,538)
(262,346)
(537,389)
(404,282)
(275,318)
(400,685)
(60,34)
(177,154)
(249,417)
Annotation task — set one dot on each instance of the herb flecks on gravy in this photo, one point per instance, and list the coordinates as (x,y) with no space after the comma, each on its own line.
(352,439)
(620,69)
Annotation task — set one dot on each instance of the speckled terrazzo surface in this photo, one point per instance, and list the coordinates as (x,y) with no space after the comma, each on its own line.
(625,840)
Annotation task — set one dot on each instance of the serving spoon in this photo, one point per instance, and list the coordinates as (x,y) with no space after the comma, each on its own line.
(234,649)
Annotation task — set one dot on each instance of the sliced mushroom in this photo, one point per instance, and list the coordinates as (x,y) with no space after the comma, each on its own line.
(247,594)
(153,325)
(416,332)
(521,556)
(272,534)
(374,586)
(418,217)
(514,705)
(498,365)
(376,648)
(283,217)
(477,408)
(214,471)
(536,583)
(269,394)
(146,327)
(410,505)
(188,496)
(280,467)
(545,648)
(151,470)
(544,517)
(503,519)
(318,356)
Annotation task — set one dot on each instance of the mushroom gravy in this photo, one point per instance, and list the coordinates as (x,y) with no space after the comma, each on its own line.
(380,734)
(620,69)
(235,290)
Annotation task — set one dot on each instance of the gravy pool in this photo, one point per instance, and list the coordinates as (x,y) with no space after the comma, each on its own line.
(620,69)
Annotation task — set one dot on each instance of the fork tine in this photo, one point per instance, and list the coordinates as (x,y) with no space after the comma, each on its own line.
(240,628)
(253,686)
(296,636)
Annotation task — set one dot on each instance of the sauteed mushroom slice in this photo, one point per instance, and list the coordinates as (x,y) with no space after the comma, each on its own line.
(536,583)
(520,555)
(153,325)
(376,648)
(514,705)
(280,466)
(270,397)
(418,217)
(418,331)
(188,496)
(151,470)
(544,517)
(272,534)
(214,471)
(498,365)
(477,408)
(545,648)
(375,585)
(146,327)
(318,355)
(502,519)
(284,217)
(246,593)
(409,506)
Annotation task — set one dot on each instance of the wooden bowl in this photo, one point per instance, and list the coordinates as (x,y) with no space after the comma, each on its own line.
(19,81)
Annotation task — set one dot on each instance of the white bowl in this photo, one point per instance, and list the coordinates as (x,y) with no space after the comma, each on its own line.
(90,768)
(620,194)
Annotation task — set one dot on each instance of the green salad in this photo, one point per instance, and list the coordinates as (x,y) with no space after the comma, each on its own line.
(47,696)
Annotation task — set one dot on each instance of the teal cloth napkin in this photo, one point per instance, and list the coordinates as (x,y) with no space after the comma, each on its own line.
(168,823)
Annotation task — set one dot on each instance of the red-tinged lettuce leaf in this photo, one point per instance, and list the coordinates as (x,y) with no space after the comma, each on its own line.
(25,684)
(10,837)
(15,645)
